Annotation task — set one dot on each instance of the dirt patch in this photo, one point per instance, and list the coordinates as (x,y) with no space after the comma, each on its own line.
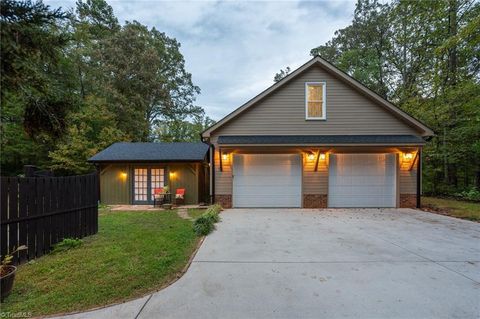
(442,211)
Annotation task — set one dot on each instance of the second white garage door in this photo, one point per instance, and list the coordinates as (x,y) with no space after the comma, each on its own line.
(362,180)
(267,180)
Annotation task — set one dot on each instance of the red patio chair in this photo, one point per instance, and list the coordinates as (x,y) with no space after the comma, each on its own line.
(180,196)
(158,196)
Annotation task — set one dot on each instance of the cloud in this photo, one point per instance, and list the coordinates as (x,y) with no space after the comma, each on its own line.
(233,49)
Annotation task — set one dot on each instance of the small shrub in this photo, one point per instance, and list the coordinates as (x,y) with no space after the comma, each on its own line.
(472,194)
(205,224)
(66,244)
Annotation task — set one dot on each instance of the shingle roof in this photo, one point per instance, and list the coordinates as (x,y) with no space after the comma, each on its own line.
(152,152)
(321,139)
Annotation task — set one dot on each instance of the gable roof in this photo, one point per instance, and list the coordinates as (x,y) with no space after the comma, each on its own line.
(317,60)
(152,152)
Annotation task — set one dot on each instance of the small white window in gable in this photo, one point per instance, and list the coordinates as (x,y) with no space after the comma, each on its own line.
(315,100)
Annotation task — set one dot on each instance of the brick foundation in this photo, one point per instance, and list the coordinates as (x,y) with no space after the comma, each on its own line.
(224,200)
(408,200)
(314,201)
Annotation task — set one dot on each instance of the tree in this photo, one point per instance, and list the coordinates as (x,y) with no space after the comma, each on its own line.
(423,56)
(182,130)
(91,129)
(145,79)
(36,89)
(360,49)
(73,83)
(280,75)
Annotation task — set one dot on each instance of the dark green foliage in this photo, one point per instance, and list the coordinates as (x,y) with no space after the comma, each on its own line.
(205,224)
(75,83)
(66,244)
(423,56)
(472,194)
(36,86)
(182,130)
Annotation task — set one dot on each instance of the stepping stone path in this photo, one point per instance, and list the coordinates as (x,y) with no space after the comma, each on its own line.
(183,213)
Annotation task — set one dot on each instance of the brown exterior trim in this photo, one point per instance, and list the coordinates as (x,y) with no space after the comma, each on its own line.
(316,145)
(419,179)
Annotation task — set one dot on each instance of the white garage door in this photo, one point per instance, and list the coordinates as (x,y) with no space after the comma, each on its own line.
(267,180)
(362,180)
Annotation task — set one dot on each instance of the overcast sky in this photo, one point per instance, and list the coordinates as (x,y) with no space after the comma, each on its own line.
(233,49)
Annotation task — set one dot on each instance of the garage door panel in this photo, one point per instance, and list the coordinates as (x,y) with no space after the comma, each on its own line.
(267,180)
(362,180)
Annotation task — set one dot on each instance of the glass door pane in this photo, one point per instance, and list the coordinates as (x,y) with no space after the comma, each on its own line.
(140,186)
(157,180)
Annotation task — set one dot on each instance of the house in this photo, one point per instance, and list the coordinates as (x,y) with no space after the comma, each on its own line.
(130,172)
(317,138)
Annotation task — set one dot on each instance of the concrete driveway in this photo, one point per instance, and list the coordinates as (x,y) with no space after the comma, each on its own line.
(299,263)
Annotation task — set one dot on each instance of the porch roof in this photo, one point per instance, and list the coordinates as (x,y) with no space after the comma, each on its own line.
(331,140)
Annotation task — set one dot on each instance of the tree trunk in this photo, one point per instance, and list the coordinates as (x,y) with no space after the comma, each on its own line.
(452,30)
(444,150)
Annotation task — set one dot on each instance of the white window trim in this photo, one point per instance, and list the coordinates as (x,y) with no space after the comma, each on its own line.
(324,104)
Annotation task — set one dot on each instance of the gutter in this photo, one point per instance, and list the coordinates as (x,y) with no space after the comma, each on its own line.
(212,167)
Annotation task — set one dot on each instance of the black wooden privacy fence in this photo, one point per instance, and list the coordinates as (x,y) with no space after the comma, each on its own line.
(41,211)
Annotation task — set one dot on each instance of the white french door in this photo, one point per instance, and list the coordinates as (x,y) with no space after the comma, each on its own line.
(145,181)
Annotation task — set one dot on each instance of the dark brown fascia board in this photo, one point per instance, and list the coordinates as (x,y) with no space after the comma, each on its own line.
(342,75)
(330,145)
(146,161)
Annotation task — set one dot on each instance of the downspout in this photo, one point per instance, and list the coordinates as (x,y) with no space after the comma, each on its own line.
(212,173)
(212,168)
(419,178)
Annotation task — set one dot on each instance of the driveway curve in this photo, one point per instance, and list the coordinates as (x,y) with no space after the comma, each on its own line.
(308,263)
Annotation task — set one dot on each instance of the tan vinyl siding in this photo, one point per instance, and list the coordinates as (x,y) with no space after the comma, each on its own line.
(315,182)
(114,188)
(223,179)
(283,112)
(408,178)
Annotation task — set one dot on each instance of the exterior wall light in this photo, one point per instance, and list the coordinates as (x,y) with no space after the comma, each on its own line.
(323,156)
(172,175)
(407,156)
(123,175)
(311,156)
(225,156)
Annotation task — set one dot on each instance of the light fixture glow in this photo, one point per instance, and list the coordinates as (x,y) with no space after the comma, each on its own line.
(172,174)
(323,156)
(311,156)
(225,157)
(408,156)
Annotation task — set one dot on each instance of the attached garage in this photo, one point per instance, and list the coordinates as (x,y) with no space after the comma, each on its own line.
(267,180)
(362,180)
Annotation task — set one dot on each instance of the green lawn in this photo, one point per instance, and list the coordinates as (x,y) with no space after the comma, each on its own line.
(196,212)
(452,207)
(132,254)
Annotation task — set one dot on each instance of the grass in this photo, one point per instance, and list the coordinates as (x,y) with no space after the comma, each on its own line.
(453,207)
(133,253)
(196,212)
